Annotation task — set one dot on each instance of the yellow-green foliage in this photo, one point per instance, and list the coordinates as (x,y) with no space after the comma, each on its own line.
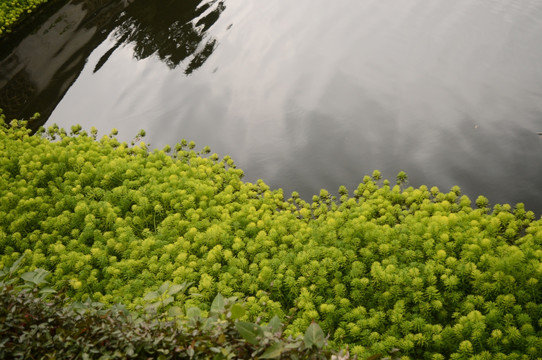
(11,11)
(417,269)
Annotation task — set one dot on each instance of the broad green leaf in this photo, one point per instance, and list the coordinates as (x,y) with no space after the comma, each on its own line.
(96,304)
(175,311)
(190,351)
(153,307)
(36,277)
(163,288)
(175,288)
(167,301)
(153,295)
(291,346)
(272,352)
(193,312)
(47,291)
(221,339)
(120,307)
(237,311)
(78,306)
(314,336)
(218,303)
(249,331)
(274,325)
(209,323)
(16,264)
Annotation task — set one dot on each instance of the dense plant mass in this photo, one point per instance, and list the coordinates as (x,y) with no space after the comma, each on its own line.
(36,325)
(11,12)
(390,267)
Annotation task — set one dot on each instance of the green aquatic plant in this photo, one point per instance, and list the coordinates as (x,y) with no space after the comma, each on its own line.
(388,267)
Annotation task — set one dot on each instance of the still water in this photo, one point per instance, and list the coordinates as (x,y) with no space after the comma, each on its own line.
(304,94)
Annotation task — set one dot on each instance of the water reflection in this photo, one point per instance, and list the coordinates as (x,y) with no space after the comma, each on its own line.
(37,70)
(174,31)
(315,94)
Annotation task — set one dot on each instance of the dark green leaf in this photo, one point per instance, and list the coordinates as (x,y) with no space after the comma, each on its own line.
(272,352)
(16,264)
(167,301)
(151,296)
(274,325)
(249,331)
(36,277)
(193,312)
(314,336)
(190,351)
(47,291)
(163,288)
(291,346)
(218,304)
(154,306)
(175,288)
(175,311)
(237,311)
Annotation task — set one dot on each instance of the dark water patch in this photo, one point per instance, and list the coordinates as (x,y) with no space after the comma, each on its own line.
(172,30)
(36,73)
(37,70)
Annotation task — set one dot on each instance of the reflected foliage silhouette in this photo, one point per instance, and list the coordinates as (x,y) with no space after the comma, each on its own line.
(173,30)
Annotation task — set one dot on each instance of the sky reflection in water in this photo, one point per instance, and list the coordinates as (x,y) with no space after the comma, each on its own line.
(315,94)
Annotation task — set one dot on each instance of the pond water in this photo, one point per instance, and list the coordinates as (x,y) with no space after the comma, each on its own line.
(304,94)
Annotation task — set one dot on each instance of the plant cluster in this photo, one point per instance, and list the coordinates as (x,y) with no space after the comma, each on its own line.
(38,326)
(391,266)
(11,12)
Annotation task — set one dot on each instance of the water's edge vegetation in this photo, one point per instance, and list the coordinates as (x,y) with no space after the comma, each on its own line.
(389,266)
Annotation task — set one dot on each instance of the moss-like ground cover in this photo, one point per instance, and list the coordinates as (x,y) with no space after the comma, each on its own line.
(389,266)
(12,11)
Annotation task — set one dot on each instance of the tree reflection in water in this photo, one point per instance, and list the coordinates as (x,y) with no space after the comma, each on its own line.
(173,30)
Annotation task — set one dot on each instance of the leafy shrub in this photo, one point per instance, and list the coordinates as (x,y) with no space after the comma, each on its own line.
(36,326)
(388,267)
(11,12)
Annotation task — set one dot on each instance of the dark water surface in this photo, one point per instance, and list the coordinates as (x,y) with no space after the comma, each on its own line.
(305,94)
